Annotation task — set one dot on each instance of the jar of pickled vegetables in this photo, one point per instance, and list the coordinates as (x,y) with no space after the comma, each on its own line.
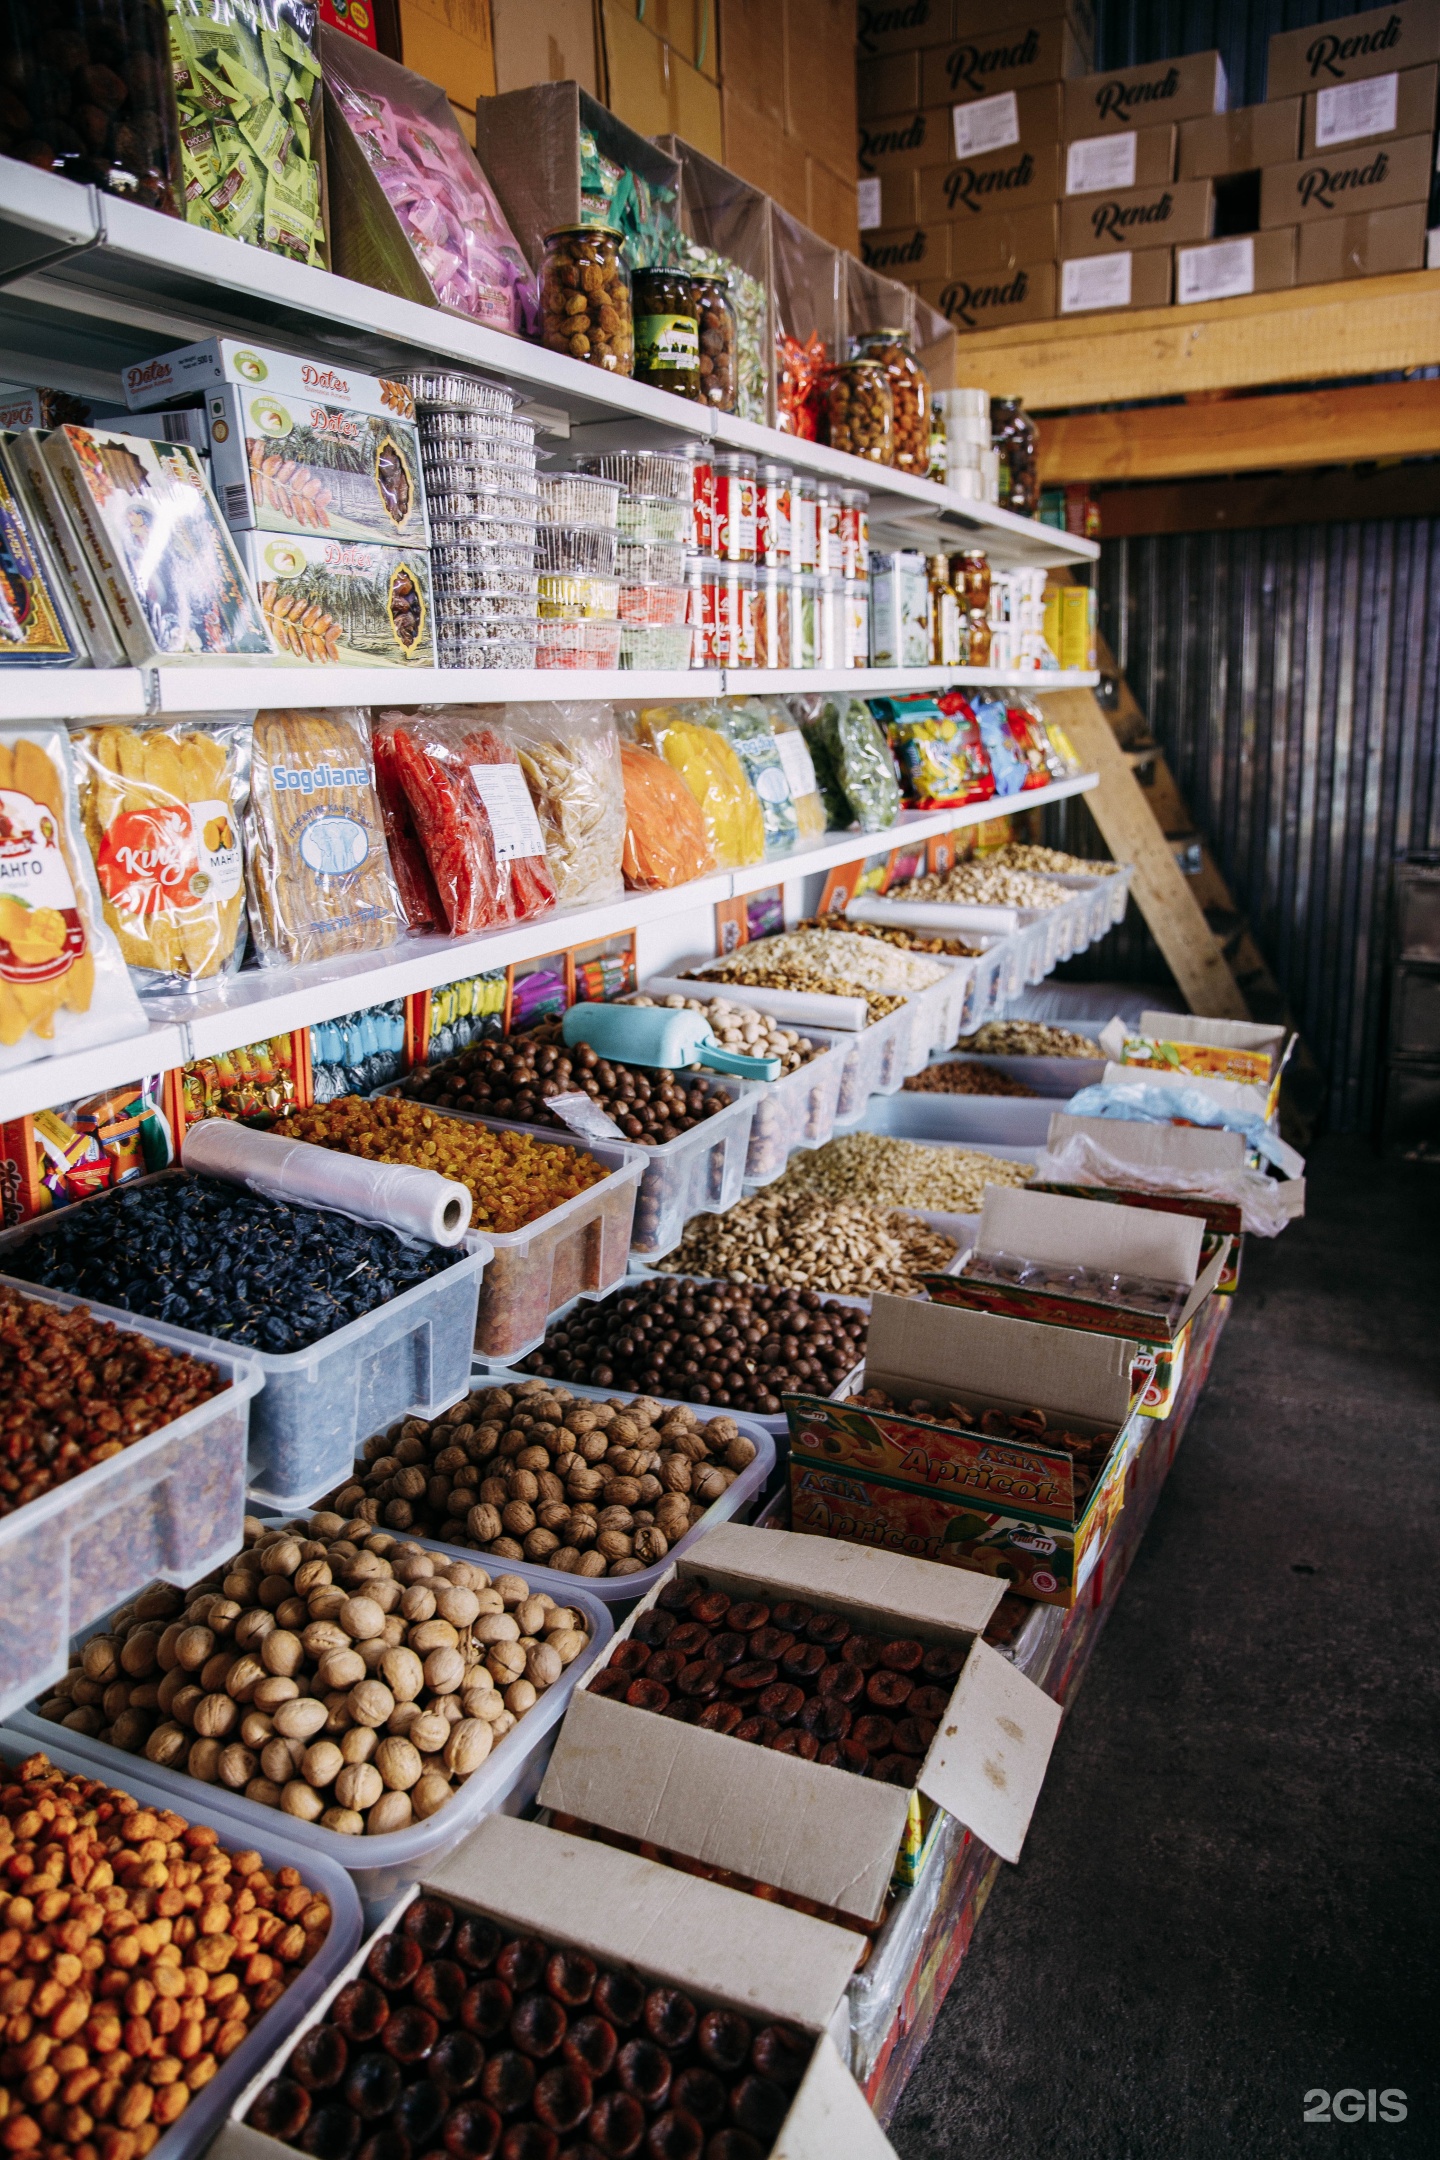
(667,332)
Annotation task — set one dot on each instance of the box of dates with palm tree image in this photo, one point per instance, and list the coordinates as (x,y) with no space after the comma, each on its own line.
(343,603)
(930,1450)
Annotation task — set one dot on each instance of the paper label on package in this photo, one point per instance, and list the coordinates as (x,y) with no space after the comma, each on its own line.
(1095,281)
(868,195)
(991,123)
(1222,271)
(1100,164)
(514,826)
(797,761)
(1351,110)
(584,1117)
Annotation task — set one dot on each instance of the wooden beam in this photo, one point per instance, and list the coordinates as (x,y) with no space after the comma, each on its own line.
(1298,428)
(1330,498)
(1129,828)
(1365,326)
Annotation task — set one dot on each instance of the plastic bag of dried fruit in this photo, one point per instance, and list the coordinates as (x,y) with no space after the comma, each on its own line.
(570,756)
(471,813)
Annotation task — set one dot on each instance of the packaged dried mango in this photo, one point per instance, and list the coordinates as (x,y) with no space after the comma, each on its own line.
(799,770)
(705,761)
(161,808)
(318,871)
(665,838)
(63,985)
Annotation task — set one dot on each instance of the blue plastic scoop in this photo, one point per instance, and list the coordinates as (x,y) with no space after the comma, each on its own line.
(659,1035)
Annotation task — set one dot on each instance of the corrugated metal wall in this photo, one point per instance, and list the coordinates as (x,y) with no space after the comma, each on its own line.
(1293,676)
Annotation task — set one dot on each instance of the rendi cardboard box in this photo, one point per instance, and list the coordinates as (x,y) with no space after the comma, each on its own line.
(991,302)
(1061,1234)
(891,26)
(1005,180)
(1404,36)
(721,1948)
(999,58)
(932,252)
(1240,141)
(1228,269)
(1137,278)
(916,251)
(1031,1514)
(809,1828)
(1377,107)
(1171,216)
(1370,244)
(1184,1152)
(1372,176)
(1140,96)
(1137,157)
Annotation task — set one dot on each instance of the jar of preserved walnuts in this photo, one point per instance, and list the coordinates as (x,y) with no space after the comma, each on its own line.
(585,297)
(861,410)
(717,342)
(910,394)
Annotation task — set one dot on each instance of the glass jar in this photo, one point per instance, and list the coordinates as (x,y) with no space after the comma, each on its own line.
(804,634)
(946,616)
(861,410)
(772,617)
(735,488)
(716,317)
(735,613)
(854,533)
(939,448)
(979,653)
(970,576)
(585,297)
(1014,436)
(827,520)
(910,395)
(804,523)
(667,332)
(772,511)
(830,620)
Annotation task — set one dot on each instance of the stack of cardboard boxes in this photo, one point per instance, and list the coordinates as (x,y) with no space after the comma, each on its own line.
(1009,185)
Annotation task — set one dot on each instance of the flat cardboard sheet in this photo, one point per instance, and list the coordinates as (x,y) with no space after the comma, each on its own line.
(988,1760)
(1227,1034)
(881,1582)
(1010,1363)
(1154,1147)
(1054,1228)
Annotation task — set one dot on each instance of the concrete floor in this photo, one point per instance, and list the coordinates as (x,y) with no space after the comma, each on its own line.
(1230,1893)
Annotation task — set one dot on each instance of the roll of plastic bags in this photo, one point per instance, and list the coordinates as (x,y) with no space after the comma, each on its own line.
(416,1203)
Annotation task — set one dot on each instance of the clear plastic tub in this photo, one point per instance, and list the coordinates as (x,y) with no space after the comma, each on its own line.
(409,1357)
(578,499)
(434,390)
(651,562)
(452,463)
(507,645)
(659,604)
(506,505)
(964,1120)
(734,1503)
(874,1061)
(447,425)
(578,645)
(643,472)
(1056,1078)
(477,530)
(795,1111)
(654,517)
(171,1505)
(576,550)
(490,607)
(657,645)
(380,1867)
(700,1172)
(458,582)
(566,596)
(202,2118)
(985,993)
(511,555)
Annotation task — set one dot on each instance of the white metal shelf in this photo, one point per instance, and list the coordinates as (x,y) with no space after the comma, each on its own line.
(269,1001)
(103,693)
(90,284)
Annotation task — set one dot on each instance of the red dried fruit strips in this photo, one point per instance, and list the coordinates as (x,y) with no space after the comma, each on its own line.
(416,887)
(473,816)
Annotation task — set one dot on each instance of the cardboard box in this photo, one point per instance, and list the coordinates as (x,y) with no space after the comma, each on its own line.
(889,199)
(998,58)
(1174,215)
(1158,1152)
(932,252)
(1239,141)
(1141,96)
(1376,108)
(722,1948)
(528,142)
(892,26)
(946,134)
(1227,269)
(1027,1514)
(1134,158)
(993,303)
(1041,1227)
(1129,278)
(1371,176)
(1012,179)
(915,251)
(805,1828)
(1354,47)
(1249,1051)
(1369,244)
(342,603)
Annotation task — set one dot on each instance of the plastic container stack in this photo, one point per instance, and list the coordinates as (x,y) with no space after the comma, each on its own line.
(579,592)
(654,521)
(479,464)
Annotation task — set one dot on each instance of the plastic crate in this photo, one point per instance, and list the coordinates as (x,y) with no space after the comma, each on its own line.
(171,1505)
(874,1061)
(380,1867)
(795,1111)
(1004,1120)
(409,1357)
(276,1844)
(701,1172)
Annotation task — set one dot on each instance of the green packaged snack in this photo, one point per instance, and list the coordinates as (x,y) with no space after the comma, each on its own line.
(247,93)
(745,724)
(853,766)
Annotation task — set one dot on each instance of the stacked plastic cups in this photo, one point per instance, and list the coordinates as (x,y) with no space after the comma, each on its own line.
(479,464)
(655,519)
(579,588)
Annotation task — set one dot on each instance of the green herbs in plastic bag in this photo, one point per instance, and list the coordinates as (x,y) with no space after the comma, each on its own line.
(745,724)
(247,93)
(853,766)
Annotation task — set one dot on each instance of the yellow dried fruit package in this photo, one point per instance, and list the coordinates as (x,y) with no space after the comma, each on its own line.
(714,775)
(319,872)
(63,985)
(160,806)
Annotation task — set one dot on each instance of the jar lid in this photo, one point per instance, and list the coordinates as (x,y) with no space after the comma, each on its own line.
(741,461)
(855,495)
(772,469)
(566,232)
